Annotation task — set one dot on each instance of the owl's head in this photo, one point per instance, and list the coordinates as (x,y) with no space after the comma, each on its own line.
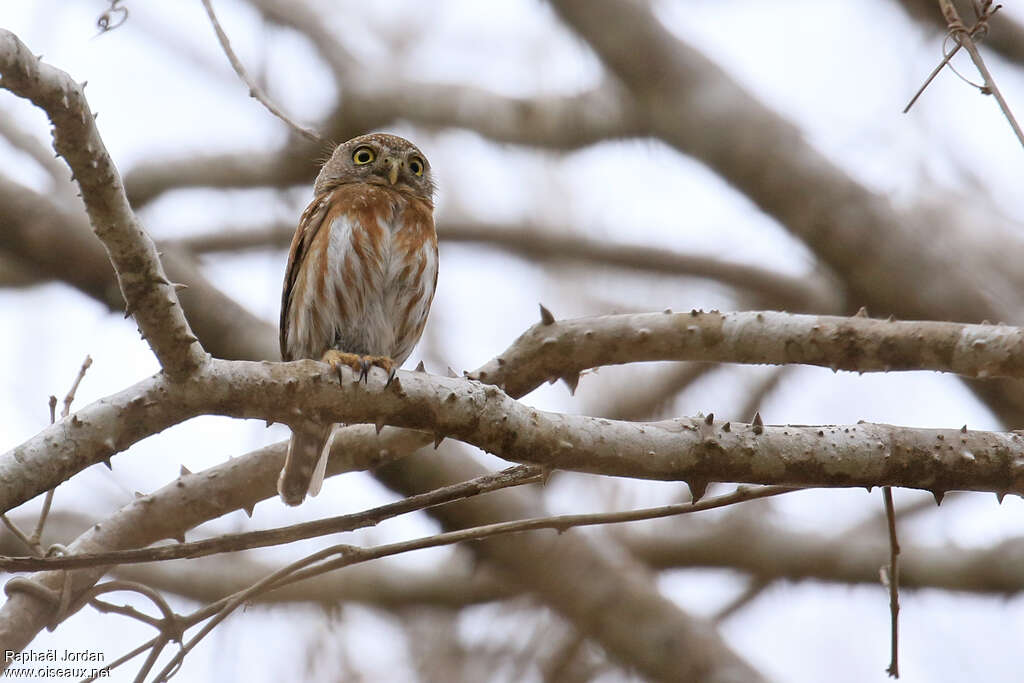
(379,159)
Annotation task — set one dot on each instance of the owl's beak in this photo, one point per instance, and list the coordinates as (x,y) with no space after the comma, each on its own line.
(393,167)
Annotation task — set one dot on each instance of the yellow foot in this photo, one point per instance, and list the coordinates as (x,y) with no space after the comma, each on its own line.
(360,364)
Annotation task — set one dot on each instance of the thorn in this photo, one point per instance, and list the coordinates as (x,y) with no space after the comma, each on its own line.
(248,510)
(862,313)
(726,427)
(963,430)
(545,316)
(758,424)
(393,381)
(572,381)
(95,115)
(420,368)
(438,438)
(451,373)
(1000,495)
(710,419)
(939,495)
(84,83)
(698,488)
(184,470)
(379,424)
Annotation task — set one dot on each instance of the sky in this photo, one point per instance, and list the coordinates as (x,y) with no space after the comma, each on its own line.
(842,71)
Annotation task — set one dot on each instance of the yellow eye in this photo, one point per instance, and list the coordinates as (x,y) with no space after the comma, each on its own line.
(416,165)
(363,156)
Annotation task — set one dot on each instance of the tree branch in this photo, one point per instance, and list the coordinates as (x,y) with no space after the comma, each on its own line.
(150,296)
(859,344)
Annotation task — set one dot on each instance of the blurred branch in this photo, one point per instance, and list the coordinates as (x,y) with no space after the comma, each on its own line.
(536,243)
(650,397)
(393,587)
(760,391)
(31,146)
(47,242)
(770,552)
(13,272)
(801,294)
(556,122)
(150,296)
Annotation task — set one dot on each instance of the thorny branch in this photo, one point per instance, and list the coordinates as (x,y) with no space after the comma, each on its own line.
(148,294)
(980,373)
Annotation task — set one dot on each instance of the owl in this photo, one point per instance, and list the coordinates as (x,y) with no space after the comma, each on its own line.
(360,279)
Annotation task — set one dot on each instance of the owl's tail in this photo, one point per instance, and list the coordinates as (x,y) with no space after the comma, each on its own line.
(305,464)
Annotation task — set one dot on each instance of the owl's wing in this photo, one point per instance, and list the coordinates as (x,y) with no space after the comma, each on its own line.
(310,224)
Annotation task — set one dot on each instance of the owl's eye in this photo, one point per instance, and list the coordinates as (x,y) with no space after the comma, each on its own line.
(416,165)
(363,156)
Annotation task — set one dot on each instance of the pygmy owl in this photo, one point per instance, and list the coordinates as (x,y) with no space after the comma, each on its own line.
(360,279)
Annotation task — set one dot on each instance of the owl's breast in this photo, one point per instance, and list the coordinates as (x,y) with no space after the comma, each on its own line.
(378,275)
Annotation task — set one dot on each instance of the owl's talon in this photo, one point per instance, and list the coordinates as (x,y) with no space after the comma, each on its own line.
(392,371)
(364,369)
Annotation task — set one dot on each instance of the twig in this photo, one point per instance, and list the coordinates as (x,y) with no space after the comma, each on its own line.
(254,90)
(70,397)
(514,476)
(320,562)
(931,77)
(560,523)
(65,411)
(32,542)
(964,37)
(891,579)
